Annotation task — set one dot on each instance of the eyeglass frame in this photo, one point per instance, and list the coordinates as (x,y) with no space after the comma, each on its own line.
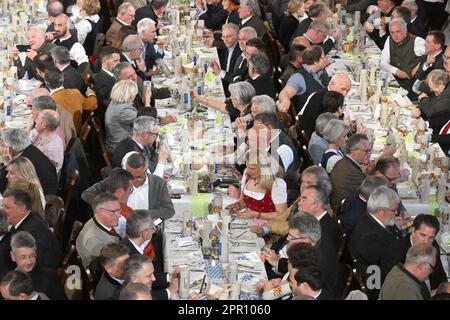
(115,212)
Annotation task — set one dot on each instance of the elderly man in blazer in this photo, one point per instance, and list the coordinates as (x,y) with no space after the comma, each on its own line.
(17,207)
(249,15)
(348,173)
(121,26)
(371,236)
(99,230)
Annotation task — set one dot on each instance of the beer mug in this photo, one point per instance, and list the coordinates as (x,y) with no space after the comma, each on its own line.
(224,250)
(444,164)
(184,284)
(226,220)
(187,223)
(232,272)
(217,203)
(235,291)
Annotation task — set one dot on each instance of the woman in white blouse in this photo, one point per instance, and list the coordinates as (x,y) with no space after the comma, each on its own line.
(85,18)
(264,192)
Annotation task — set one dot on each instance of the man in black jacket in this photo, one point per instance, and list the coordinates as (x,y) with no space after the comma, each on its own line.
(145,132)
(139,269)
(5,237)
(23,253)
(215,15)
(104,79)
(17,206)
(425,229)
(317,12)
(371,236)
(17,144)
(72,78)
(153,10)
(249,15)
(112,259)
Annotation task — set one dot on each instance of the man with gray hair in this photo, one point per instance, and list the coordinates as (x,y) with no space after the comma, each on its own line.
(121,26)
(401,52)
(250,16)
(407,281)
(304,228)
(356,204)
(349,172)
(371,236)
(46,139)
(259,74)
(16,142)
(99,230)
(315,200)
(317,12)
(145,132)
(139,269)
(36,40)
(147,32)
(318,34)
(415,26)
(72,78)
(17,285)
(132,48)
(135,291)
(228,54)
(317,144)
(23,253)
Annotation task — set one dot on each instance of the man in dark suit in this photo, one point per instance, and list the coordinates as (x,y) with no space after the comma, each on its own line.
(380,35)
(72,78)
(153,10)
(17,285)
(17,207)
(18,143)
(347,175)
(139,232)
(5,237)
(228,53)
(318,34)
(132,48)
(371,236)
(416,25)
(425,229)
(305,228)
(314,200)
(313,107)
(215,15)
(249,15)
(104,79)
(139,269)
(112,259)
(145,130)
(431,60)
(317,12)
(356,204)
(258,69)
(23,253)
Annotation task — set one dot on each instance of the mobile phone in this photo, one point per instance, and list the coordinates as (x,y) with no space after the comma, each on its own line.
(157,222)
(23,47)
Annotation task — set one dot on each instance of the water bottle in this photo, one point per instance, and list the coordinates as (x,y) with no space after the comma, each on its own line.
(7,108)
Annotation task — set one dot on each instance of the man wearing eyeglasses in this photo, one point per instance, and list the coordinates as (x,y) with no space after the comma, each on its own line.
(407,281)
(318,34)
(121,25)
(425,228)
(348,173)
(303,228)
(99,231)
(23,253)
(228,53)
(371,236)
(145,133)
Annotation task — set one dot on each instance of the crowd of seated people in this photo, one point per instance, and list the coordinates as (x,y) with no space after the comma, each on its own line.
(307,178)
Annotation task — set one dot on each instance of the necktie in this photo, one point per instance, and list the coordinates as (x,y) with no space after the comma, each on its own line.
(114,233)
(149,251)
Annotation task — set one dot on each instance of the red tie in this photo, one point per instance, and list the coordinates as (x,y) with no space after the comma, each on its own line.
(114,233)
(149,251)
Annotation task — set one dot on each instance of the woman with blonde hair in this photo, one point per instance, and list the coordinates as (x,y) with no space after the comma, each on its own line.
(22,175)
(120,113)
(264,192)
(294,14)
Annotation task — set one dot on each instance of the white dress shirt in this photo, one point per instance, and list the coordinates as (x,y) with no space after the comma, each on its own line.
(138,199)
(385,62)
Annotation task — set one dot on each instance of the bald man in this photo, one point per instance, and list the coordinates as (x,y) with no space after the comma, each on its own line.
(46,139)
(36,39)
(313,107)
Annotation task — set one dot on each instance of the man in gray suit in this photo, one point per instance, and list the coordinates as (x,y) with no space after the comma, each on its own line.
(99,231)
